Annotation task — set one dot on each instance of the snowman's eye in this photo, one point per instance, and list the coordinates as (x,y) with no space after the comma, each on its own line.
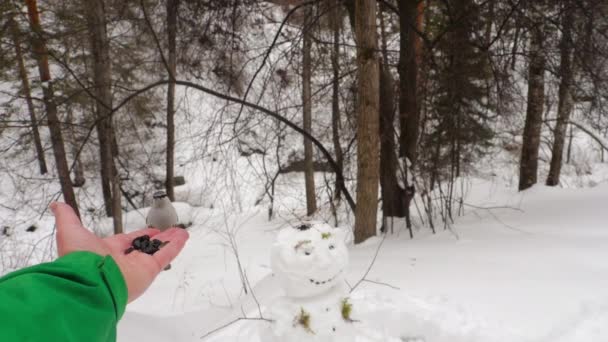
(307,252)
(332,246)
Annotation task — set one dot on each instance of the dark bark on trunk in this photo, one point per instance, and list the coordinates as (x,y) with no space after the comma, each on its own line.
(368,149)
(534,114)
(409,115)
(392,194)
(408,108)
(309,171)
(100,50)
(172,6)
(565,102)
(41,54)
(335,98)
(28,96)
(420,27)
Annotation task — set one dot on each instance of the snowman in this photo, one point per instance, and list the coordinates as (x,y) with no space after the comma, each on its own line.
(309,261)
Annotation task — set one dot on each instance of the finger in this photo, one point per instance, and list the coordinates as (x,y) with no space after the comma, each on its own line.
(176,238)
(65,217)
(123,241)
(71,235)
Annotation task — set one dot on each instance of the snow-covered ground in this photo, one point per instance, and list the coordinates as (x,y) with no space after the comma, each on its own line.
(535,268)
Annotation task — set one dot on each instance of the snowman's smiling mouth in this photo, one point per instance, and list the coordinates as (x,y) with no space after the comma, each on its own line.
(323,282)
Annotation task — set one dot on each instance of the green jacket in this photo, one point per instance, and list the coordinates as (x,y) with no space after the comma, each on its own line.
(77,298)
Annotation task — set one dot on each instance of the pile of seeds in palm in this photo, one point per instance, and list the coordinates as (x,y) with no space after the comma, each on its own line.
(145,245)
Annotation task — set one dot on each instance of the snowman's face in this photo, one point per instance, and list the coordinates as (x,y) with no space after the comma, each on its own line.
(309,261)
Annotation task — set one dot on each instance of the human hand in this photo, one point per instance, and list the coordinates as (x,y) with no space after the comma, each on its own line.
(138,269)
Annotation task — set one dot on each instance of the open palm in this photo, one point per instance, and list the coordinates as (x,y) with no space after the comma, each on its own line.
(138,269)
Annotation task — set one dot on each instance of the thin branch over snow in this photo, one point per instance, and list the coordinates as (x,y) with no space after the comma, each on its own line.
(371,264)
(590,131)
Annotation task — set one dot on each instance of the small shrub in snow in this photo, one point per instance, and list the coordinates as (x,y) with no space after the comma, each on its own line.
(303,319)
(346,310)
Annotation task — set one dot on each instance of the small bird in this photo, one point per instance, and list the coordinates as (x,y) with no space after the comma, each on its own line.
(162,215)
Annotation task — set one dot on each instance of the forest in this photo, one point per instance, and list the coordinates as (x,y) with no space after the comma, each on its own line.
(410,123)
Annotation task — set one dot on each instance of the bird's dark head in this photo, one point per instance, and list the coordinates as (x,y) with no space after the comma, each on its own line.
(159,194)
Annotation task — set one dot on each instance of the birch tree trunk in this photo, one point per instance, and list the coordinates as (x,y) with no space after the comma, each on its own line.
(41,54)
(28,95)
(368,147)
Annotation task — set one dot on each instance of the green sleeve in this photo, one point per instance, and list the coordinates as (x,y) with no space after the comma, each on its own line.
(78,297)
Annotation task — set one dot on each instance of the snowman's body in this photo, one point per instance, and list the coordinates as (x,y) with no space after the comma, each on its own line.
(309,262)
(325,323)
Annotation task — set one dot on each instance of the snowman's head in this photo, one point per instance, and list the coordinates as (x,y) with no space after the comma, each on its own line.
(309,259)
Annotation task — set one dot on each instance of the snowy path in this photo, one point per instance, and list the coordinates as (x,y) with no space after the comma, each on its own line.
(539,275)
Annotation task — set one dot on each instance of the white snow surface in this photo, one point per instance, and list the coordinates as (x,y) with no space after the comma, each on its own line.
(535,271)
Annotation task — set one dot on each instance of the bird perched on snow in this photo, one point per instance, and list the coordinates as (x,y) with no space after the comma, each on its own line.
(162,215)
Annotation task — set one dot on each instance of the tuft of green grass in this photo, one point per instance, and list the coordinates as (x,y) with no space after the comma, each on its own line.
(325,236)
(346,309)
(303,319)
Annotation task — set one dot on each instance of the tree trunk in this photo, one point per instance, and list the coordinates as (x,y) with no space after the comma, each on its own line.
(367,120)
(420,27)
(41,54)
(28,96)
(309,172)
(100,49)
(565,101)
(392,196)
(408,108)
(172,6)
(409,115)
(392,201)
(534,114)
(335,97)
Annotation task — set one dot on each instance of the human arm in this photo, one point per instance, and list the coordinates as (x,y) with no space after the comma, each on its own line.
(82,295)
